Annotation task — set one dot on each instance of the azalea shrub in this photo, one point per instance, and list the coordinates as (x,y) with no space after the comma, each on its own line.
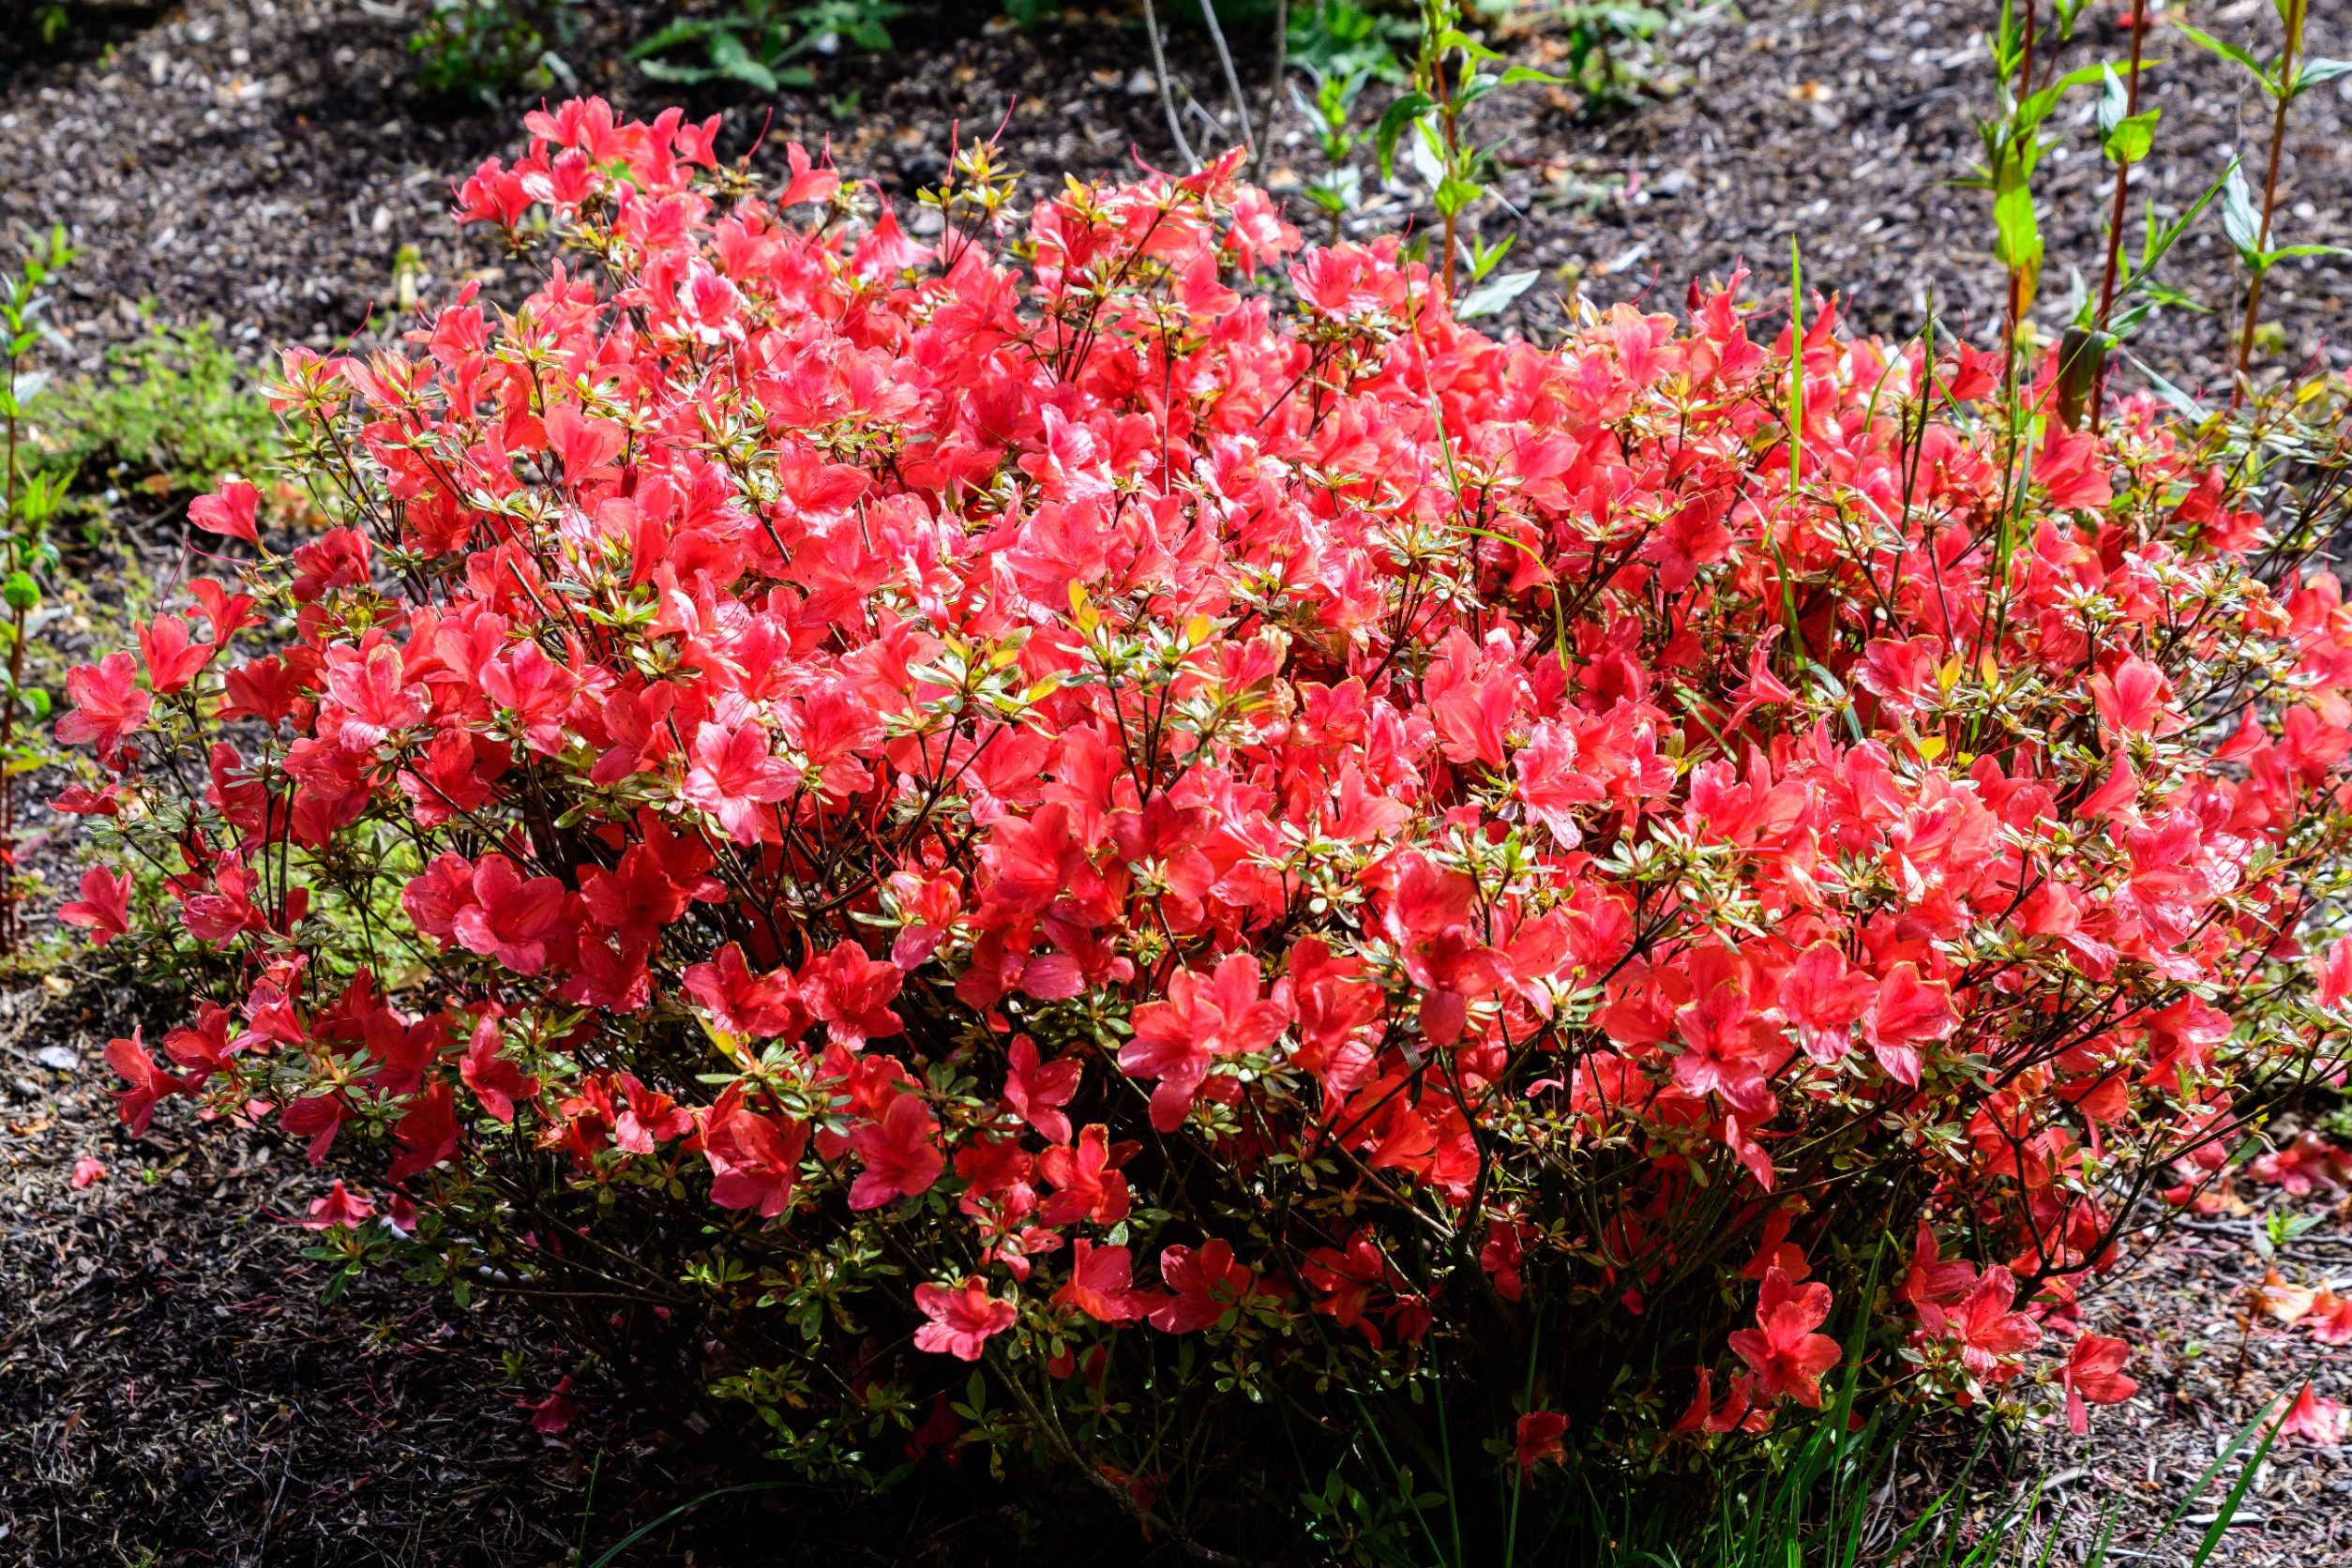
(1104,847)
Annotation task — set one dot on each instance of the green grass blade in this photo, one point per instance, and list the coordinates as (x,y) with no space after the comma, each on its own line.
(2214,1469)
(2228,1511)
(633,1537)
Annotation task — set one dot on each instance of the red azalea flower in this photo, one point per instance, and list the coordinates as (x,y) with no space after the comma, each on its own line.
(1537,1439)
(962,1320)
(1784,1353)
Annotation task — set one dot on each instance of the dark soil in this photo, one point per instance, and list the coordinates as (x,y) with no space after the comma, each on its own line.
(174,1391)
(262,162)
(170,1387)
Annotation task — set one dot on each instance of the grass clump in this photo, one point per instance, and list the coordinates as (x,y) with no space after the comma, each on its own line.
(173,412)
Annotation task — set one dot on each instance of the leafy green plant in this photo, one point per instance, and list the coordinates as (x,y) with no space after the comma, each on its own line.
(174,412)
(30,496)
(491,51)
(2282,80)
(1448,79)
(2126,136)
(1341,187)
(757,43)
(1338,39)
(1608,50)
(2014,142)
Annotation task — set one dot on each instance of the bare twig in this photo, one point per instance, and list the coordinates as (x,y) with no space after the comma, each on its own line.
(1233,79)
(1274,85)
(1167,95)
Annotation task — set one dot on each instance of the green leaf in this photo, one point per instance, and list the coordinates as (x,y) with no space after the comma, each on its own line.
(2310,73)
(19,592)
(1473,89)
(1452,195)
(1402,112)
(2305,251)
(670,37)
(661,70)
(2239,220)
(1430,163)
(2037,109)
(2180,401)
(1453,38)
(1483,258)
(1490,298)
(732,59)
(2113,99)
(2019,242)
(2124,137)
(1517,74)
(2227,1513)
(2133,138)
(2225,50)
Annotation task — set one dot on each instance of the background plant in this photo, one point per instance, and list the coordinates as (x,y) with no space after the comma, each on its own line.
(754,43)
(31,494)
(172,412)
(1449,79)
(1611,49)
(2287,77)
(1337,38)
(1340,188)
(491,51)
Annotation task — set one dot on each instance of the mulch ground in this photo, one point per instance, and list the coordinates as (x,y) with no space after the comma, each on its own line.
(170,1387)
(264,162)
(2207,1367)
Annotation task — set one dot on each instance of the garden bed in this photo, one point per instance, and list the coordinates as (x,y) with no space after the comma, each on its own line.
(265,164)
(174,1391)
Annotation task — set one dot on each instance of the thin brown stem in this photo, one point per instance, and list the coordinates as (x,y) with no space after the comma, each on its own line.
(2114,217)
(2270,198)
(2025,64)
(1453,148)
(2016,300)
(7,703)
(1233,78)
(1273,87)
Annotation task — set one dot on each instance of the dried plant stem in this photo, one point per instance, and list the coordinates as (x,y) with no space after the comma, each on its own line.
(1167,94)
(1233,77)
(2115,218)
(1274,85)
(2270,198)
